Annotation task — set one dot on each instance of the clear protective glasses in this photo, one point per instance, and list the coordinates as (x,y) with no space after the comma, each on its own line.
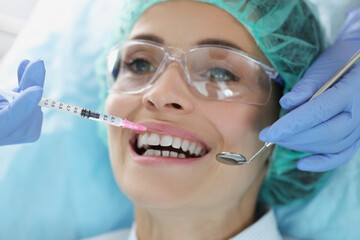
(213,71)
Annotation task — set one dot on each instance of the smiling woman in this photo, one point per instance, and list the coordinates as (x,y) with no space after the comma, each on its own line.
(209,83)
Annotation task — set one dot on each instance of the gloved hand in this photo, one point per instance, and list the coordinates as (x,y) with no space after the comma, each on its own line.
(328,125)
(21,120)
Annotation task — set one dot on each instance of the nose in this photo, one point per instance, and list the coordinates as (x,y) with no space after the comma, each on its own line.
(170,92)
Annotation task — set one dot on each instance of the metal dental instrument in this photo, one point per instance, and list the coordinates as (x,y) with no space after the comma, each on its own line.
(238,159)
(82,112)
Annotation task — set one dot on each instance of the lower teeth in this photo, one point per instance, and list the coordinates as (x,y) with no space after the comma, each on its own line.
(152,152)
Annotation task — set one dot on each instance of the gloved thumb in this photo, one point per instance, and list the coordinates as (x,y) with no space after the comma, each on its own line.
(263,135)
(34,75)
(21,108)
(21,69)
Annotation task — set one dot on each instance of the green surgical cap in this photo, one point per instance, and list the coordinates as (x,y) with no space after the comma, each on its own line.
(289,34)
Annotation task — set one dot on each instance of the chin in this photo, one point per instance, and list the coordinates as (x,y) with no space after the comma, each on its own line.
(160,186)
(156,192)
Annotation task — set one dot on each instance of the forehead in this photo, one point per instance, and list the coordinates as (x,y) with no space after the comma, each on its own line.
(185,23)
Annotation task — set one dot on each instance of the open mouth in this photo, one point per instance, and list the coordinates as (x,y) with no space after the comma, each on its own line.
(153,144)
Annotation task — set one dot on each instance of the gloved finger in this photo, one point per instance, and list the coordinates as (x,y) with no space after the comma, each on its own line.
(310,114)
(33,130)
(325,162)
(19,110)
(317,74)
(338,146)
(323,146)
(335,131)
(27,132)
(21,69)
(299,94)
(34,75)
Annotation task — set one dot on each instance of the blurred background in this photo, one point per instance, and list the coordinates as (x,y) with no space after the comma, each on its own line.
(72,194)
(13,16)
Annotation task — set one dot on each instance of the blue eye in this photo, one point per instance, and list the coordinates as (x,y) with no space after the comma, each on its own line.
(140,66)
(221,74)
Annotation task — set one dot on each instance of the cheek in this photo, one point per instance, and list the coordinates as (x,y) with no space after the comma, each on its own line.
(238,125)
(119,105)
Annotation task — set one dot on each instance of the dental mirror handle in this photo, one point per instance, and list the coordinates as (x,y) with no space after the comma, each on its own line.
(238,159)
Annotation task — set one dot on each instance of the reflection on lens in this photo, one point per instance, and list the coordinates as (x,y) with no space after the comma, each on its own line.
(137,64)
(222,74)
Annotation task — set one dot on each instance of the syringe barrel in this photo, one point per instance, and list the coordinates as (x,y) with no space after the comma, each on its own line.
(59,106)
(115,121)
(78,111)
(81,112)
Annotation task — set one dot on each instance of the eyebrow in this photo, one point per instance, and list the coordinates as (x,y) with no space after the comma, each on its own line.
(212,41)
(149,37)
(220,42)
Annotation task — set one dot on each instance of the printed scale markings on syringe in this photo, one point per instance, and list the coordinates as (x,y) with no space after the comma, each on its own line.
(82,112)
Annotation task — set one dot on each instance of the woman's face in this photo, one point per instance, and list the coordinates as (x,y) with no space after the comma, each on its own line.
(170,106)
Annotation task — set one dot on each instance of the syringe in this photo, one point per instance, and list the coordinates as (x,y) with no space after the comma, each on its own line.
(82,112)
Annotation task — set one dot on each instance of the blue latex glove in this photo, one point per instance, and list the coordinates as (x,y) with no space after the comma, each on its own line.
(21,120)
(328,125)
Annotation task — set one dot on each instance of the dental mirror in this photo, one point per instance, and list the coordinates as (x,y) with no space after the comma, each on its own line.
(230,158)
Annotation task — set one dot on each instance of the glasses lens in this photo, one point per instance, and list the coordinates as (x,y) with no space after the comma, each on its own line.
(132,66)
(223,74)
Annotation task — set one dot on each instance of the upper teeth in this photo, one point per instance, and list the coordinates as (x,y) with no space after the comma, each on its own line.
(154,139)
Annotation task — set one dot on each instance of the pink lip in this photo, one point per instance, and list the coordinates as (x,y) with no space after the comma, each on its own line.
(167,129)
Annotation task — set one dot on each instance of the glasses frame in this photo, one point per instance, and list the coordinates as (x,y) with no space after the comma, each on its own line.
(179,55)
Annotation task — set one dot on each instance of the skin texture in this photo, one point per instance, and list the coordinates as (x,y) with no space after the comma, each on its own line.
(204,199)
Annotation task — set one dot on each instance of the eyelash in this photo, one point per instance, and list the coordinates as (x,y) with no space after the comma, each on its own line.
(129,65)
